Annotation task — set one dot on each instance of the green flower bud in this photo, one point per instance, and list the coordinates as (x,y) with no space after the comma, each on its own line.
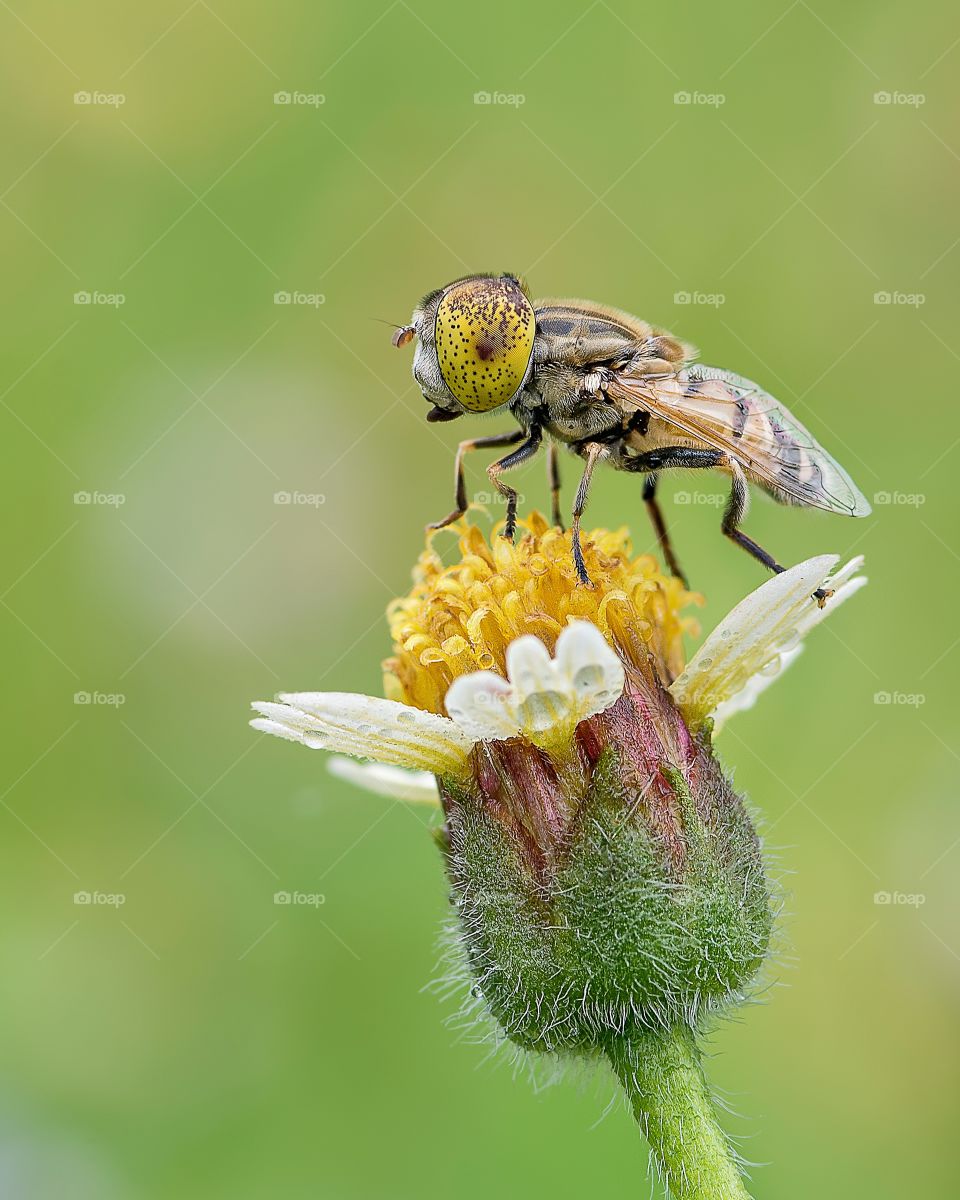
(618,888)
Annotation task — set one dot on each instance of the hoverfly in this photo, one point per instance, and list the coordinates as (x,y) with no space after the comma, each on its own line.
(612,389)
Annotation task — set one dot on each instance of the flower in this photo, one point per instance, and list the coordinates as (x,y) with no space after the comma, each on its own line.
(607,880)
(463,617)
(471,654)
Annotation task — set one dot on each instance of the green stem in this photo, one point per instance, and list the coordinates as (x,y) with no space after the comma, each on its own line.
(664,1081)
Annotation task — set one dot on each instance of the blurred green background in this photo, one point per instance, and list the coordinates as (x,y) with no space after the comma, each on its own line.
(201,1041)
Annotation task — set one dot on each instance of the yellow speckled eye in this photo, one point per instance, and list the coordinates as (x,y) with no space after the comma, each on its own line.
(484,331)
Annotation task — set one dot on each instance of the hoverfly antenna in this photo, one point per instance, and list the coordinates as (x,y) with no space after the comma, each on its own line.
(402,335)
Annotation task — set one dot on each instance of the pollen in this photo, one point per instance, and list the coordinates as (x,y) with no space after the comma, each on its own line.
(462,617)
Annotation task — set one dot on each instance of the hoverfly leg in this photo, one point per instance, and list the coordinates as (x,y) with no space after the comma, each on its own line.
(497,439)
(521,454)
(732,516)
(660,528)
(594,450)
(553,469)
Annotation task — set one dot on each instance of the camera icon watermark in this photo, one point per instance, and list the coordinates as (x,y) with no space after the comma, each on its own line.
(899,499)
(100,99)
(300,299)
(299,99)
(299,899)
(505,99)
(100,299)
(709,299)
(900,299)
(495,498)
(904,899)
(300,499)
(700,99)
(100,899)
(900,699)
(100,699)
(699,499)
(100,499)
(900,99)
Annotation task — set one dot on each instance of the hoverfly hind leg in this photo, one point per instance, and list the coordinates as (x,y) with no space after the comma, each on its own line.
(732,516)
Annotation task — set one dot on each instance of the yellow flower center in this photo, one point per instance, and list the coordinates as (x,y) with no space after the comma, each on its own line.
(461,618)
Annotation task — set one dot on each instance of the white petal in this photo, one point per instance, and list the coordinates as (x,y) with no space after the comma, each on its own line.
(417,787)
(590,665)
(368,727)
(544,696)
(277,729)
(484,706)
(759,638)
(755,685)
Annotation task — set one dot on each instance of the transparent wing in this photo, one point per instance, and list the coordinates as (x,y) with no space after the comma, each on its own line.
(726,412)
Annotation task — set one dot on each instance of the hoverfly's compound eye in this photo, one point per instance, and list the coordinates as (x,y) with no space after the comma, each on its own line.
(485,329)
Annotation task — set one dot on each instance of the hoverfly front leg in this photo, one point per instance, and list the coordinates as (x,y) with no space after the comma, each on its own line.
(660,528)
(521,454)
(497,439)
(553,470)
(594,450)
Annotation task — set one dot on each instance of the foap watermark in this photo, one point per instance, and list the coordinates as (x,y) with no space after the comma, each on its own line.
(100,299)
(100,699)
(100,99)
(100,499)
(299,899)
(899,499)
(900,99)
(502,99)
(900,299)
(709,299)
(100,899)
(300,299)
(700,99)
(900,699)
(900,899)
(700,499)
(300,499)
(493,700)
(495,498)
(299,99)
